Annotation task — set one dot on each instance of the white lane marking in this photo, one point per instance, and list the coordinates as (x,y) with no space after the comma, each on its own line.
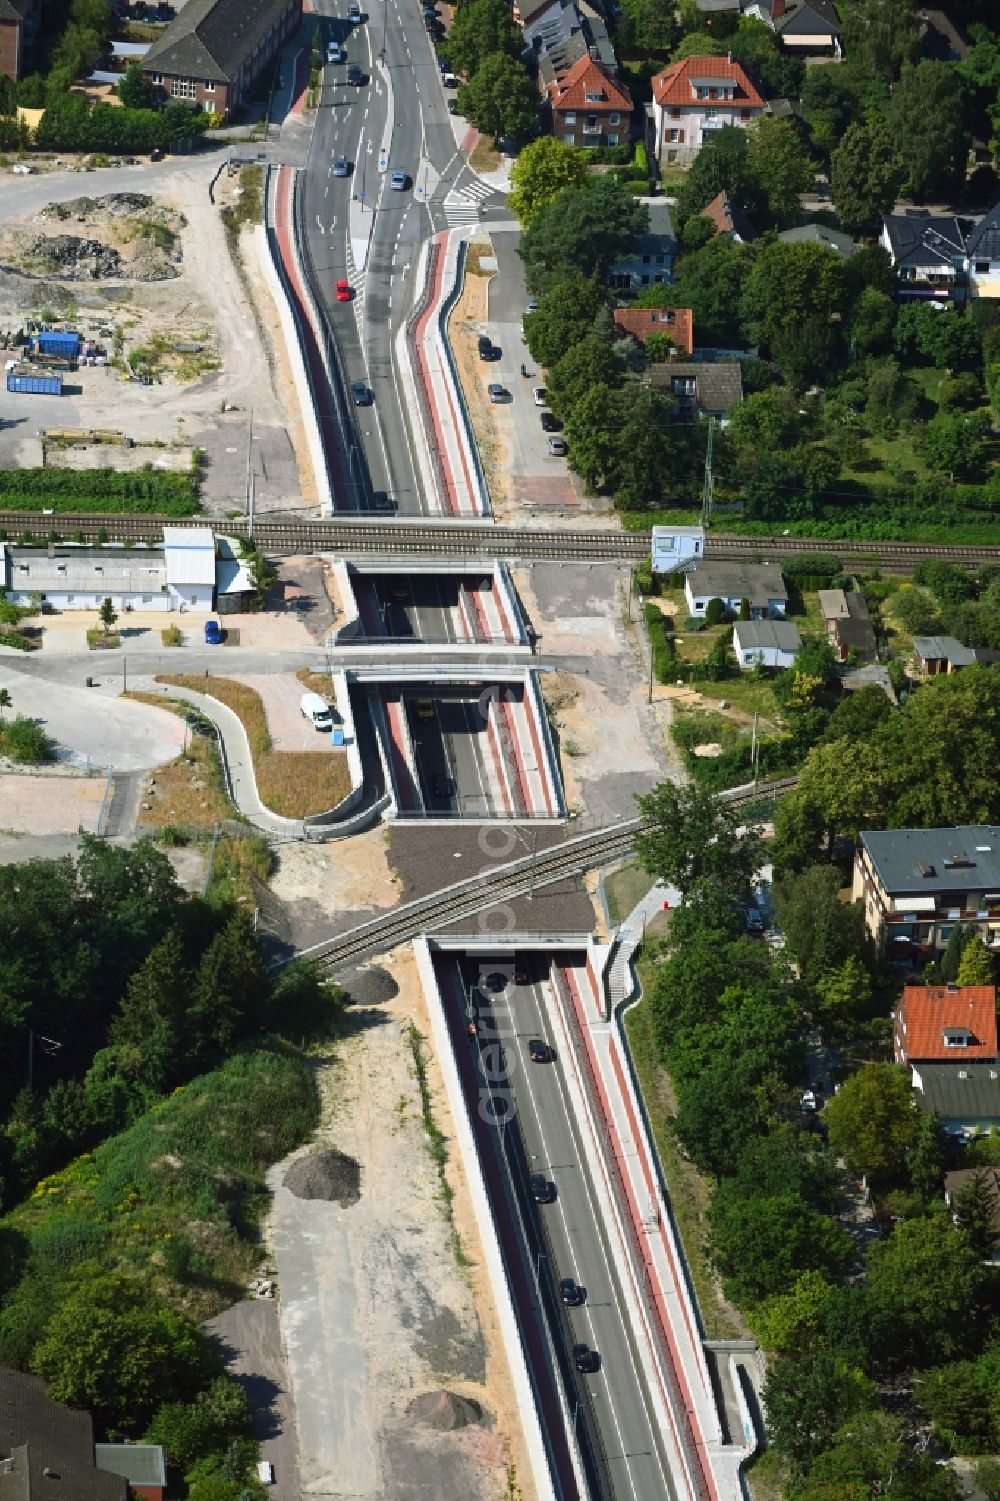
(319,225)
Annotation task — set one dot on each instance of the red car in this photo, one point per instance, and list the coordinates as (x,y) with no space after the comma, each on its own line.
(343,291)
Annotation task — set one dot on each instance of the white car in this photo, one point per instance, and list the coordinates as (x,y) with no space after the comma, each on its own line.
(22,169)
(539,395)
(335,53)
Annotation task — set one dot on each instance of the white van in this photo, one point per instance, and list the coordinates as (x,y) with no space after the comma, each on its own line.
(316,710)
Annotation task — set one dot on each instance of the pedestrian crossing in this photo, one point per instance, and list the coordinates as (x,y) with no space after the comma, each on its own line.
(462,205)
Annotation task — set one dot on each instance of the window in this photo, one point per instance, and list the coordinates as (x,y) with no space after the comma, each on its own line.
(208,86)
(645,281)
(613,138)
(98,568)
(593,98)
(147,599)
(614,117)
(671,156)
(592,122)
(645,260)
(70,598)
(158,79)
(982,268)
(702,92)
(569,138)
(710,114)
(61,568)
(569,118)
(182,88)
(675,114)
(659,260)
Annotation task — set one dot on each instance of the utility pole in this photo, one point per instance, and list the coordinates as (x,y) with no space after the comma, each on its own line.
(708,489)
(249,458)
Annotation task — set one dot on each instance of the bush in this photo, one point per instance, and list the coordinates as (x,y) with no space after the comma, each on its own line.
(22,740)
(143,492)
(715,612)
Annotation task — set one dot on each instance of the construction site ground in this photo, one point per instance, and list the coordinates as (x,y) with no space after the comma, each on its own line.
(203,399)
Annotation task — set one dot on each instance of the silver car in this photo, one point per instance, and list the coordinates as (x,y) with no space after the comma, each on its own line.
(398,182)
(341,166)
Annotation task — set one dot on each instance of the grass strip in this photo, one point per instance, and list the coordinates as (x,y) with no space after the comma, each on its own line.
(437,1142)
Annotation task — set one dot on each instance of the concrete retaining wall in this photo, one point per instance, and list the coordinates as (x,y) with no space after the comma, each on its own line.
(454,272)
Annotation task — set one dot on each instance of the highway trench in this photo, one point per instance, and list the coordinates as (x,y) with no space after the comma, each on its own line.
(449,741)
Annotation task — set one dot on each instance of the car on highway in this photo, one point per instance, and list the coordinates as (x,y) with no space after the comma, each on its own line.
(540,1052)
(213,633)
(550,422)
(497,392)
(521,976)
(558,447)
(400,589)
(586,1360)
(494,982)
(354,13)
(571,1293)
(487,349)
(355,75)
(809,1100)
(342,291)
(539,396)
(361,394)
(335,53)
(423,708)
(542,1191)
(341,167)
(399,182)
(444,786)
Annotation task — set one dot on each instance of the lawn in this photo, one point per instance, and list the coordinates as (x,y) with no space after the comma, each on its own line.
(742,690)
(293,784)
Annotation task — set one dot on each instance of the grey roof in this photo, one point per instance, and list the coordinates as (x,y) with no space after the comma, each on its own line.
(983,243)
(142,1464)
(857,632)
(659,238)
(925,240)
(49,1449)
(958,1092)
(750,581)
(211,39)
(16,10)
(818,234)
(833,604)
(714,7)
(922,861)
(107,570)
(808,18)
(766,635)
(190,554)
(943,648)
(718,386)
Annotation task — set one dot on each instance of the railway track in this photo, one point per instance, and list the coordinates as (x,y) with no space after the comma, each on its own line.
(503,883)
(403,537)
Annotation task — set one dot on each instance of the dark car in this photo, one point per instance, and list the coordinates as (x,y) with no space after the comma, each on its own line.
(542,1191)
(444,786)
(571,1293)
(213,633)
(156,155)
(493,982)
(361,394)
(485,347)
(355,75)
(586,1360)
(521,976)
(539,1051)
(453,106)
(550,423)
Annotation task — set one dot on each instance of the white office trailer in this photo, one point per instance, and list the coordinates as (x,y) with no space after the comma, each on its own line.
(677,548)
(179,575)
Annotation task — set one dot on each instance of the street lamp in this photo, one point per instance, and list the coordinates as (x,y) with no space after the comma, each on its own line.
(533,851)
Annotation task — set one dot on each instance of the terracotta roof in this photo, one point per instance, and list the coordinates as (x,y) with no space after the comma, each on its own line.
(675,85)
(967,1014)
(728,217)
(587,77)
(676,322)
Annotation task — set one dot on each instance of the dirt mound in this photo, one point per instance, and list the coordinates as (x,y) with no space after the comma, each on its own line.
(444,1411)
(330,1176)
(371,985)
(72,258)
(109,206)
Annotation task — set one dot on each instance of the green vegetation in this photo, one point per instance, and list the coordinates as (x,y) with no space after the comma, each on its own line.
(249,207)
(22,740)
(146,491)
(437,1142)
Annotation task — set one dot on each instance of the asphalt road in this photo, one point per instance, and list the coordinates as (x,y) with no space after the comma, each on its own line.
(624,1413)
(417,607)
(450,741)
(393,50)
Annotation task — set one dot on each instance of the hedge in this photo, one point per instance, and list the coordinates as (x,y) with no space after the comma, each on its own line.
(144,491)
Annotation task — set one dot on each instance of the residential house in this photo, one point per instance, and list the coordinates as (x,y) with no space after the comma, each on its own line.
(19,23)
(559,35)
(808,28)
(936,654)
(945,1024)
(765,643)
(848,623)
(700,389)
(676,322)
(760,585)
(982,256)
(958,1181)
(940,39)
(589,108)
(818,234)
(214,51)
(928,252)
(650,260)
(180,575)
(47,1451)
(916,884)
(549,24)
(965,1100)
(729,219)
(694,97)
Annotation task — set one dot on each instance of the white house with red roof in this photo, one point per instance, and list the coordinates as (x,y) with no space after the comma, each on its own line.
(692,98)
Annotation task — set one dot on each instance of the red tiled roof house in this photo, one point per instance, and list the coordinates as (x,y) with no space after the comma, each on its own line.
(676,322)
(589,108)
(946,1024)
(692,98)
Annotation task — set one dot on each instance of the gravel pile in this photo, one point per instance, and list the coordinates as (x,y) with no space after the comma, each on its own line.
(111,205)
(444,1411)
(330,1176)
(72,258)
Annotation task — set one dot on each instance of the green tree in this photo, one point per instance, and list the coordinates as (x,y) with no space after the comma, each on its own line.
(808,1399)
(845,997)
(6,702)
(880,36)
(722,165)
(585,364)
(927,115)
(542,170)
(659,348)
(481,29)
(868,1457)
(500,98)
(873,1123)
(762,1244)
(930,1283)
(938,337)
(149,1031)
(954,949)
(565,316)
(975,1209)
(779,166)
(789,299)
(593,435)
(821,931)
(107,615)
(710,282)
(865,173)
(954,445)
(190,1431)
(791,1322)
(872,323)
(581,229)
(925,1158)
(652,453)
(133,91)
(766,421)
(976,966)
(688,837)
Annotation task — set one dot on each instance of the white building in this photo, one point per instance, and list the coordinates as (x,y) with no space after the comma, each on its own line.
(760,585)
(982,248)
(768,643)
(180,575)
(694,97)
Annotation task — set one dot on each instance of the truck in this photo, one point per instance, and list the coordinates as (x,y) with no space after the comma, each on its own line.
(65,346)
(34,382)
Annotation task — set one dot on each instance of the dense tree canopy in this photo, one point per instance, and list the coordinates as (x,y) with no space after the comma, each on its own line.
(542,170)
(581,230)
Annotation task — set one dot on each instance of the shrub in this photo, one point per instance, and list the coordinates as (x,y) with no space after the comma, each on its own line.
(715,612)
(22,740)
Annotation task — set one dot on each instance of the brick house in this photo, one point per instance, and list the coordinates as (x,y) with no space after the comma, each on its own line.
(692,98)
(589,108)
(19,21)
(676,322)
(214,51)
